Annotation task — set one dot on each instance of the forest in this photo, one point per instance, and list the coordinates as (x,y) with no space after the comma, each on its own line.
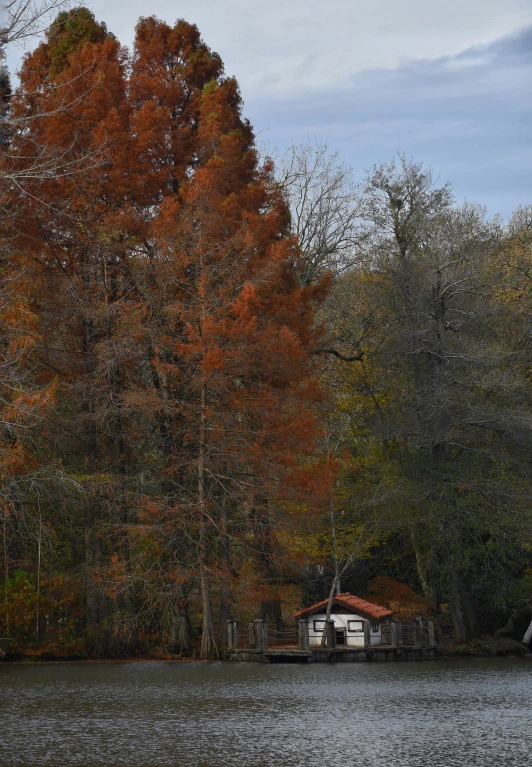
(230,381)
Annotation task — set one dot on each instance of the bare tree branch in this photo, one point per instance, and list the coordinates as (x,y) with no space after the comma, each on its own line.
(325,208)
(27,18)
(344,357)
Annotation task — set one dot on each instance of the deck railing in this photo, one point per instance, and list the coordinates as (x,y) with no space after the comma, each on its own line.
(260,636)
(282,634)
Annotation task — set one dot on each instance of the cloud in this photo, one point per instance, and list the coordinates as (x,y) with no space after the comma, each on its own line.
(286,46)
(445,82)
(469,115)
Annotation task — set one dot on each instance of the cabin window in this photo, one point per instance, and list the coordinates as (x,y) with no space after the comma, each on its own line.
(357,627)
(375,627)
(319,625)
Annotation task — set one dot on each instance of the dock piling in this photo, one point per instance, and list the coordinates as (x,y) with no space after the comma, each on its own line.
(417,629)
(303,634)
(432,640)
(394,637)
(231,635)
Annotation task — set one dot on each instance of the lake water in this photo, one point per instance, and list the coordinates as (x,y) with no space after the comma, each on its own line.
(466,713)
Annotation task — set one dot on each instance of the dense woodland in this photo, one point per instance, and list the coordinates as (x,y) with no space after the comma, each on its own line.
(230,382)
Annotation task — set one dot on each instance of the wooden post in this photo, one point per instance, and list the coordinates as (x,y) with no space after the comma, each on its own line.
(367,634)
(231,635)
(257,630)
(330,635)
(432,639)
(252,642)
(418,631)
(303,635)
(261,634)
(393,630)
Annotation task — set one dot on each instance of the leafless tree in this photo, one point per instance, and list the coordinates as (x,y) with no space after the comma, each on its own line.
(521,221)
(325,208)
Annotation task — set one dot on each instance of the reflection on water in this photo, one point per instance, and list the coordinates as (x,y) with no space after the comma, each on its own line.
(474,713)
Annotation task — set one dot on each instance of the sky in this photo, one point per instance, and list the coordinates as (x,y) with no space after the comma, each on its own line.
(447,83)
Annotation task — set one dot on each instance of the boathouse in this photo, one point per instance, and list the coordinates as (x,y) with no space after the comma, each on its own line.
(358,630)
(357,623)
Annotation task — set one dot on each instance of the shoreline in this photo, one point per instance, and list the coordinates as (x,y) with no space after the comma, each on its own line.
(29,661)
(33,661)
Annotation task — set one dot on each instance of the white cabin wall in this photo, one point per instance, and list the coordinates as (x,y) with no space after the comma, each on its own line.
(341,621)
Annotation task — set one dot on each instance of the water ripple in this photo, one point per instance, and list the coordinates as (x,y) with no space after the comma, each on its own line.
(463,713)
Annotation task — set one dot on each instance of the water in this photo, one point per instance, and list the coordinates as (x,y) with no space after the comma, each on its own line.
(466,713)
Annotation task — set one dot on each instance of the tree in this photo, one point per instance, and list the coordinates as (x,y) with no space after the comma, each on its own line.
(43,159)
(80,255)
(232,330)
(174,320)
(324,209)
(434,385)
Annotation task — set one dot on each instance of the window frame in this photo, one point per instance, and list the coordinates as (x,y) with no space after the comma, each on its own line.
(315,627)
(359,621)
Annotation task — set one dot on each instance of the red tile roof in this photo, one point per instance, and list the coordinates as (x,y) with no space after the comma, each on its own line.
(351,602)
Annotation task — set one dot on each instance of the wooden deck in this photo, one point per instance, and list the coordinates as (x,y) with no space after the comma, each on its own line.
(262,644)
(292,654)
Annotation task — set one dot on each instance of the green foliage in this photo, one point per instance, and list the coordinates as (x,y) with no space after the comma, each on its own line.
(436,412)
(5,84)
(69,32)
(45,616)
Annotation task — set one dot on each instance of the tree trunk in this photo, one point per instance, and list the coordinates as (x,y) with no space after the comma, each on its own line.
(330,600)
(209,648)
(335,550)
(457,617)
(180,635)
(462,612)
(509,625)
(182,642)
(262,538)
(527,639)
(468,610)
(225,593)
(6,574)
(95,599)
(335,585)
(423,574)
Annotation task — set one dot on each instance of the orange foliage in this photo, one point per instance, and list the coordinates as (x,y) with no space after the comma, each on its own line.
(169,303)
(398,597)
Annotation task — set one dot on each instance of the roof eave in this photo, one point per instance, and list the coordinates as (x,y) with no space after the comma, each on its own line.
(357,611)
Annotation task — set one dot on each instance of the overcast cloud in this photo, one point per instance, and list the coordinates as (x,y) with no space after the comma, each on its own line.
(469,116)
(289,45)
(447,82)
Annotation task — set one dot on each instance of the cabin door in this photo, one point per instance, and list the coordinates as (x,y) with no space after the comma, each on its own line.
(340,637)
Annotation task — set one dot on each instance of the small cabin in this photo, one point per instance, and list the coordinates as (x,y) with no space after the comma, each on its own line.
(350,615)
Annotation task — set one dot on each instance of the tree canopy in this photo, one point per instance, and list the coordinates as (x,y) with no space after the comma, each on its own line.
(226,384)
